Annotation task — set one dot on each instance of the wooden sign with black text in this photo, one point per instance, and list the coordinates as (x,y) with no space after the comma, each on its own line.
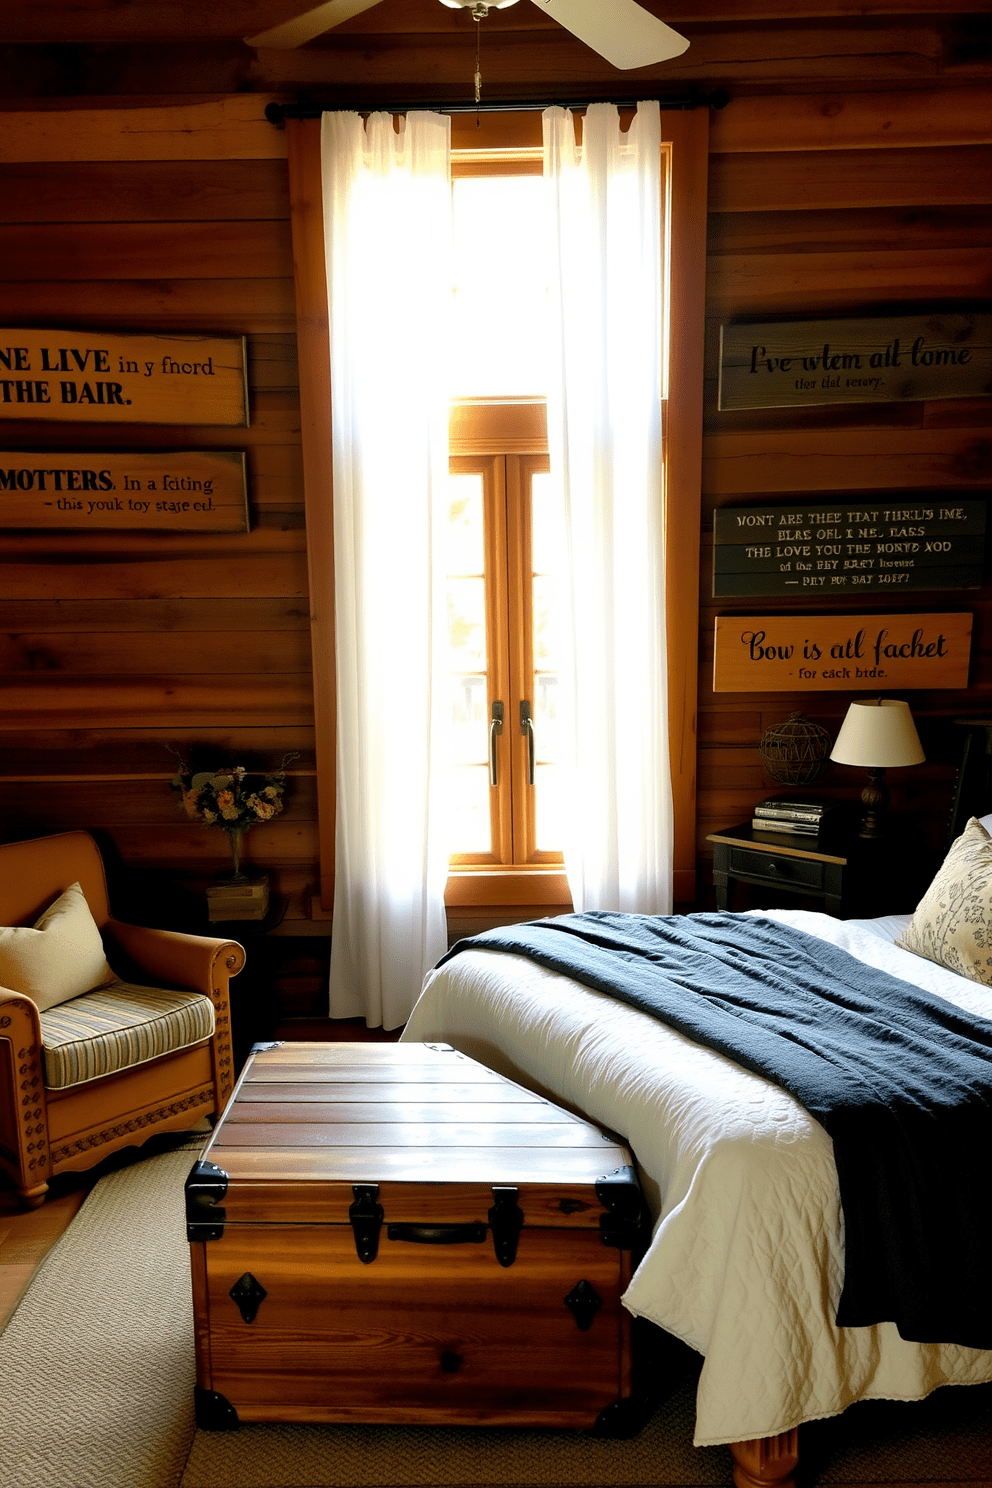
(177,491)
(97,377)
(842,547)
(840,653)
(792,364)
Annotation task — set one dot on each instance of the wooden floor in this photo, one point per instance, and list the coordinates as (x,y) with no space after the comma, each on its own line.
(26,1237)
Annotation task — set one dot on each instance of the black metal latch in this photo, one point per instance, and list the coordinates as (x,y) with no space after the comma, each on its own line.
(506,1220)
(366,1220)
(206,1186)
(623,1225)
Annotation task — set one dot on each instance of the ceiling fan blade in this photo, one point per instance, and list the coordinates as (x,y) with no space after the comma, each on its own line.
(620,30)
(311,23)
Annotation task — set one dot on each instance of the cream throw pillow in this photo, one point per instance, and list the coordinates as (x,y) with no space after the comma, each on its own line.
(953,921)
(61,957)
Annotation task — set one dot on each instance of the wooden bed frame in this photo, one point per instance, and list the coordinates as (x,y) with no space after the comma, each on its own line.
(768,1462)
(771,1461)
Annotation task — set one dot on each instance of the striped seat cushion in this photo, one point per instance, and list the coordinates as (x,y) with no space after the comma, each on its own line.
(118,1027)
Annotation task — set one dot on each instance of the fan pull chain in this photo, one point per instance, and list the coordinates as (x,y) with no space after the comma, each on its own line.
(478,63)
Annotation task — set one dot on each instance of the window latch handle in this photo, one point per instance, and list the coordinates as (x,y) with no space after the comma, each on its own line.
(495,729)
(527,727)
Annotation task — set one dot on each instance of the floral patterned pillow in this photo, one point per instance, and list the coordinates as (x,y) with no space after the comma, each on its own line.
(953,921)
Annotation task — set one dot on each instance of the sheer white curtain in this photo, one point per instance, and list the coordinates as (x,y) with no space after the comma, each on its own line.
(604,426)
(387,215)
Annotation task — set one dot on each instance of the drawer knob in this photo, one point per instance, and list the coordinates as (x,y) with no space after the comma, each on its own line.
(772,866)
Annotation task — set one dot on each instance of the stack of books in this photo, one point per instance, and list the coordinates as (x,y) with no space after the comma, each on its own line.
(781,814)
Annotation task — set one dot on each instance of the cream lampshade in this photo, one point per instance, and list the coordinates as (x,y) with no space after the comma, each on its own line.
(877,734)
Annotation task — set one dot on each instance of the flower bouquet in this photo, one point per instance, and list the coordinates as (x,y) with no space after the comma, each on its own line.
(231,798)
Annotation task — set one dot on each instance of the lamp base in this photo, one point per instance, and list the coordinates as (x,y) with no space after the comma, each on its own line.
(875,800)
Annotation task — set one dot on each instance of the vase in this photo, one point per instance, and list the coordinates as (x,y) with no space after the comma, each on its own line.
(235,835)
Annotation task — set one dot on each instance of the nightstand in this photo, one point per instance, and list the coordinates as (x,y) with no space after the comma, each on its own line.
(780,860)
(854,877)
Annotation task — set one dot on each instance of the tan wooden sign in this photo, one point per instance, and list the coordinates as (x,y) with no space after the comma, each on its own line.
(199,491)
(840,653)
(96,377)
(893,359)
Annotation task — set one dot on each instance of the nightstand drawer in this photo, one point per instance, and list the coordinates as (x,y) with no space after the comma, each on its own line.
(777,869)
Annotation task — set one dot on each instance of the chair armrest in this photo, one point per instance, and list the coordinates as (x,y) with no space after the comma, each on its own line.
(23,1107)
(194,962)
(19,1019)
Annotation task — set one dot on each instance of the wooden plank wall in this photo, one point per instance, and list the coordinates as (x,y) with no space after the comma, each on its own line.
(843,206)
(140,188)
(116,647)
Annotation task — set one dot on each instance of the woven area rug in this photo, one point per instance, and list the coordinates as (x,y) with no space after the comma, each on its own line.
(96,1379)
(96,1363)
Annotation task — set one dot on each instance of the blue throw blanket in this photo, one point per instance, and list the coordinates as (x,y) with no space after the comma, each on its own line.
(900,1079)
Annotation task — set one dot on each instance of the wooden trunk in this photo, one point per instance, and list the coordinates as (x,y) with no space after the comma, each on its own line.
(394,1233)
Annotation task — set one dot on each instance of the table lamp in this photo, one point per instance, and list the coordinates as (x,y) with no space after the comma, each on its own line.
(877,734)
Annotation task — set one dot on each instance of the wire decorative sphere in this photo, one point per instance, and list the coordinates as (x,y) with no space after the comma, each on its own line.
(795,752)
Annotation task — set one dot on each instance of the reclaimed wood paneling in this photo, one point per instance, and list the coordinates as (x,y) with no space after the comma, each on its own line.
(146,250)
(849,180)
(153,700)
(849,175)
(59,576)
(153,616)
(162,20)
(754,285)
(847,460)
(136,654)
(872,229)
(118,649)
(844,204)
(243,306)
(127,191)
(813,119)
(228,129)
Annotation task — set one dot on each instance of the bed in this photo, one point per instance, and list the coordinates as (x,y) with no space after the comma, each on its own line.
(746,1258)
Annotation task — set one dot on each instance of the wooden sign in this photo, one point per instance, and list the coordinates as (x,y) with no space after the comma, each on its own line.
(200,491)
(843,547)
(96,377)
(840,653)
(895,359)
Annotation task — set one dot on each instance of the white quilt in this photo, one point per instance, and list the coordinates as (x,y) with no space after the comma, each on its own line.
(746,1258)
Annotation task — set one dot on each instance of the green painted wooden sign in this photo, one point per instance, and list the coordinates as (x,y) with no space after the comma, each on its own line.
(793,364)
(843,547)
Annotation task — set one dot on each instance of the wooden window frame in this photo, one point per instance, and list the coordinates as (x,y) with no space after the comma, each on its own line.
(510,660)
(511,141)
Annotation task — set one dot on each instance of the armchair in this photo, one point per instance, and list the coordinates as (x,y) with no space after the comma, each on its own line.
(75,1086)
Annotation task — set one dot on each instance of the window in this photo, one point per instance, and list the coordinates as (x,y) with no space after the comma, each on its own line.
(504,679)
(504,811)
(515,138)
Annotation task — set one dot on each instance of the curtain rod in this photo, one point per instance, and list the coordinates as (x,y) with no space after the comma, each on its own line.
(278,113)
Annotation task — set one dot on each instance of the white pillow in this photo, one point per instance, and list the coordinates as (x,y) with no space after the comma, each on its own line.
(952,924)
(61,957)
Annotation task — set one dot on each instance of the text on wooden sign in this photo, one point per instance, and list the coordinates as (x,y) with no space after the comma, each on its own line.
(842,547)
(93,376)
(891,359)
(176,491)
(817,653)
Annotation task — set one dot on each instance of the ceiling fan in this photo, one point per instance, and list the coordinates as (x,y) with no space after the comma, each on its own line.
(620,30)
